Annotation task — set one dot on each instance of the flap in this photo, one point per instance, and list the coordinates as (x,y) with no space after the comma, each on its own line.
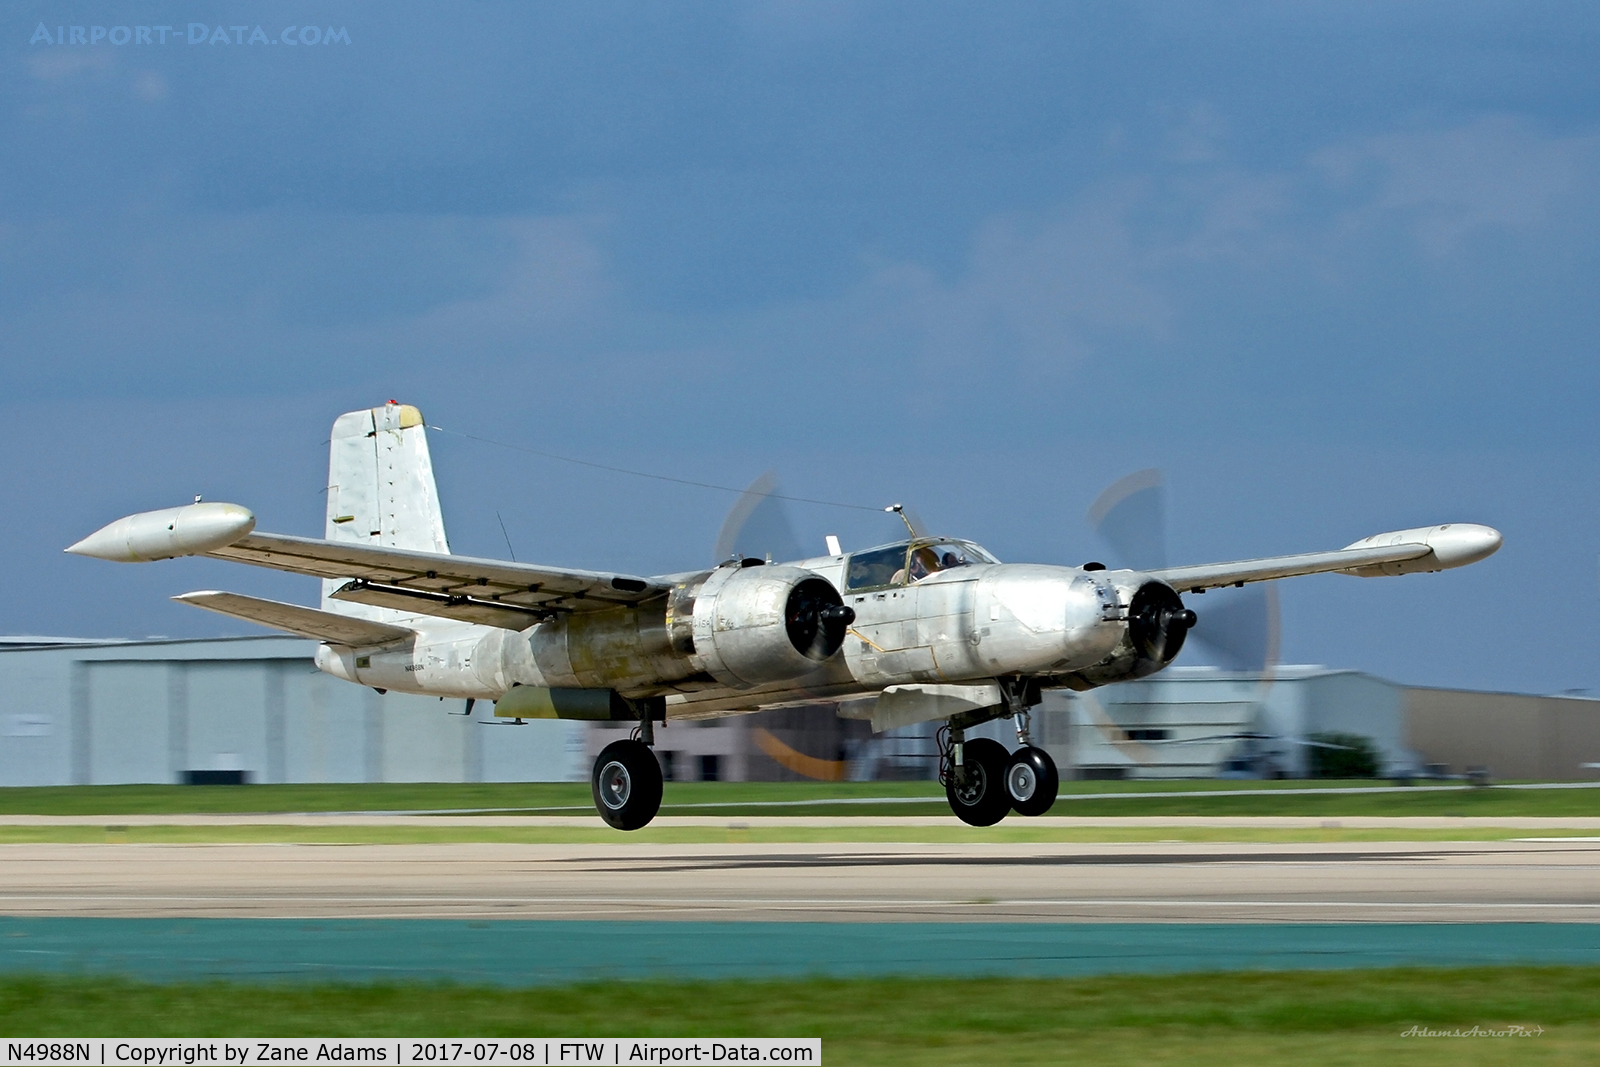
(440,605)
(306,622)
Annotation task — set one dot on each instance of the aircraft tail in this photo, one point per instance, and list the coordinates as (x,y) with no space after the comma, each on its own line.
(381,491)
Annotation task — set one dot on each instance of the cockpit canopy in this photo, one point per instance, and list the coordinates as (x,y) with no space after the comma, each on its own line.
(910,561)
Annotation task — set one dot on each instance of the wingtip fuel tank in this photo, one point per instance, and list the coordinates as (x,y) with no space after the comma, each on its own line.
(1453,544)
(151,535)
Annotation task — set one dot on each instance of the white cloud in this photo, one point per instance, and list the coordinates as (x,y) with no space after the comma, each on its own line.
(1041,292)
(557,277)
(1036,292)
(1448,185)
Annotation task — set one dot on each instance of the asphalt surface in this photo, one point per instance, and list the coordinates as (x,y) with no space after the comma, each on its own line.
(1406,882)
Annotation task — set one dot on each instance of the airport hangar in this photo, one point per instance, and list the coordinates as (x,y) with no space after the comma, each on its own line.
(255,709)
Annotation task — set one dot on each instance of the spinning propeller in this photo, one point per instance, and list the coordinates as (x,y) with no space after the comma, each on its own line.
(1237,629)
(758,526)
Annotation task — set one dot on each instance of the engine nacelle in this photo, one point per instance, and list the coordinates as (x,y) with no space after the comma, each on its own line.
(1157,624)
(754,625)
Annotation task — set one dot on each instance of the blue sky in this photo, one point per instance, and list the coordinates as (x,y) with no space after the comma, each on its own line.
(1331,266)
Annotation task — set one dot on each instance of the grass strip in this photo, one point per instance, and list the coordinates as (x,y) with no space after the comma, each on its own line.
(1237,1018)
(734,799)
(1018,832)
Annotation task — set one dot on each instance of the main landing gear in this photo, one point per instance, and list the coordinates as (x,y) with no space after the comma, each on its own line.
(626,781)
(982,781)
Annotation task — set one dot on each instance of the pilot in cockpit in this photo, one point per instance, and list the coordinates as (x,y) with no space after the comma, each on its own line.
(924,561)
(928,560)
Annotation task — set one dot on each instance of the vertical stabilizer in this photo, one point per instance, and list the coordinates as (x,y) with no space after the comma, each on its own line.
(381,490)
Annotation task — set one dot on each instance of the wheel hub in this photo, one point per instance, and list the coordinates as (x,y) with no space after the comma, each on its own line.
(1021,782)
(973,784)
(615,785)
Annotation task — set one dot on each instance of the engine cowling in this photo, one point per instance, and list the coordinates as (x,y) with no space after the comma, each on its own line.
(1157,624)
(755,625)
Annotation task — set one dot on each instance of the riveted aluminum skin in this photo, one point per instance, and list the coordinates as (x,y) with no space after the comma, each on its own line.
(740,635)
(630,649)
(984,621)
(1041,620)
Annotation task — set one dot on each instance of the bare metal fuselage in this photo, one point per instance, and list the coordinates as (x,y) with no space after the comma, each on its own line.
(968,624)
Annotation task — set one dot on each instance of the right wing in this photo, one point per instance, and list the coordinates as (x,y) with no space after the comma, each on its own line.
(1431,548)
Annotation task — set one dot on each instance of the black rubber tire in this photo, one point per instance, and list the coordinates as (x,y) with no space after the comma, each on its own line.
(981,799)
(1031,781)
(626,784)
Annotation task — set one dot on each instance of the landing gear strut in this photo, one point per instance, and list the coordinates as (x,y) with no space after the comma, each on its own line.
(626,781)
(982,781)
(1031,777)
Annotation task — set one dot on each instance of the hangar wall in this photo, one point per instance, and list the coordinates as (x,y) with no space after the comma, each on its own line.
(1513,735)
(106,713)
(111,712)
(1200,722)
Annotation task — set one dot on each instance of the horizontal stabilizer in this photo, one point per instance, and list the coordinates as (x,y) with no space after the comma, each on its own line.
(306,622)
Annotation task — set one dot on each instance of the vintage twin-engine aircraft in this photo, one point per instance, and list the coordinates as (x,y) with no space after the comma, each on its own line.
(928,628)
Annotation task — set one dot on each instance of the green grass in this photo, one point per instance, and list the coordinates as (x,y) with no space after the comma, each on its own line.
(1511,803)
(736,798)
(422,796)
(1327,1017)
(1013,831)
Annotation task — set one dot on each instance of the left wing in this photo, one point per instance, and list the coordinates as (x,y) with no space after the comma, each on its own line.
(491,592)
(486,591)
(1430,548)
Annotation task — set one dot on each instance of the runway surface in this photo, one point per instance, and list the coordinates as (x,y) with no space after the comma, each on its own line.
(1503,881)
(520,953)
(591,821)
